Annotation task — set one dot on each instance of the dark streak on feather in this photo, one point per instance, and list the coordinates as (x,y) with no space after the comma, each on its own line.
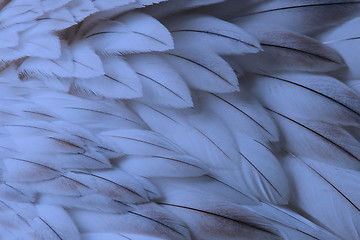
(212,142)
(98,33)
(153,80)
(262,144)
(218,215)
(106,149)
(353,38)
(114,79)
(155,39)
(271,219)
(51,228)
(27,126)
(124,236)
(266,179)
(87,156)
(68,143)
(154,220)
(161,113)
(200,65)
(17,214)
(38,113)
(216,34)
(237,190)
(252,119)
(11,114)
(87,66)
(337,190)
(53,61)
(138,140)
(76,181)
(177,160)
(17,190)
(314,91)
(35,163)
(287,226)
(105,113)
(108,180)
(316,133)
(301,51)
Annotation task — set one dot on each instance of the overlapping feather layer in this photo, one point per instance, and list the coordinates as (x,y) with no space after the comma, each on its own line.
(199,119)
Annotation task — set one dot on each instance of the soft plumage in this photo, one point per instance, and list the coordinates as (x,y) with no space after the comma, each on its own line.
(172,119)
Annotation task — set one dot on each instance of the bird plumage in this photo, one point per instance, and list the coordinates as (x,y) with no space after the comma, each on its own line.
(172,119)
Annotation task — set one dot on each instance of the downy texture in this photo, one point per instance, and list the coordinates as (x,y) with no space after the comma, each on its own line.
(174,119)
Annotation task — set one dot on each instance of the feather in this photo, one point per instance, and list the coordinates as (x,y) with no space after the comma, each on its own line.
(196,134)
(10,36)
(19,11)
(124,120)
(345,40)
(81,148)
(161,84)
(55,20)
(64,185)
(86,62)
(242,114)
(80,9)
(129,34)
(305,17)
(69,144)
(22,170)
(288,51)
(78,60)
(175,165)
(96,115)
(324,98)
(141,142)
(206,32)
(262,172)
(45,45)
(214,219)
(355,85)
(15,219)
(117,185)
(118,81)
(11,193)
(54,223)
(210,183)
(290,223)
(150,220)
(204,71)
(335,191)
(326,141)
(87,202)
